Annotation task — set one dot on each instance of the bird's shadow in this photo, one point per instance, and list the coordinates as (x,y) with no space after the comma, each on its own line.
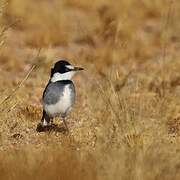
(50,128)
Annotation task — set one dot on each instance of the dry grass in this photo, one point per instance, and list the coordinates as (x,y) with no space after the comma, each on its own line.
(126,121)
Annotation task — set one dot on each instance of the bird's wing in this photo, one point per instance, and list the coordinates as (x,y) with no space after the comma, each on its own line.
(54,91)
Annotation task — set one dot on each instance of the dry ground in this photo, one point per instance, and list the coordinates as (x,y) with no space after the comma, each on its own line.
(126,120)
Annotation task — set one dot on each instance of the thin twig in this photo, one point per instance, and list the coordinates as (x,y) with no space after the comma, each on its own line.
(21,83)
(3,31)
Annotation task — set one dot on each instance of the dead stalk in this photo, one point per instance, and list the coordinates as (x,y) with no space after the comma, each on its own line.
(21,83)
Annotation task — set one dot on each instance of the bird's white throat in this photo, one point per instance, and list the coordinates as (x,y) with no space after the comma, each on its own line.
(65,76)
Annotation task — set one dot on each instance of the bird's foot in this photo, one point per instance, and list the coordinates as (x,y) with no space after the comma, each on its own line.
(51,127)
(65,131)
(40,127)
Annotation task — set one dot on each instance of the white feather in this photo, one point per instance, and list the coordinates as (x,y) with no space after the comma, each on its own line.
(62,106)
(65,76)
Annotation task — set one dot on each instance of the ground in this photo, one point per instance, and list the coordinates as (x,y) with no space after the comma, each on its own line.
(126,120)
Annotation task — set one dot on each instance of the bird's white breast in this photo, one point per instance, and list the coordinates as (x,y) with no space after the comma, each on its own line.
(62,106)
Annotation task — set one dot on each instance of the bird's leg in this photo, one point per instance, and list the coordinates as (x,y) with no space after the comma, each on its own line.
(63,118)
(51,121)
(45,119)
(44,122)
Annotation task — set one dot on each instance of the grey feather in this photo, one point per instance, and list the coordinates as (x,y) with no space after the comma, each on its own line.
(54,91)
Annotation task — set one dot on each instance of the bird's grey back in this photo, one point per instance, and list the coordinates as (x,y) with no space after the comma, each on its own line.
(54,91)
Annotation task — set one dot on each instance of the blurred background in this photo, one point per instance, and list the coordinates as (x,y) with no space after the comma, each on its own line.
(126,121)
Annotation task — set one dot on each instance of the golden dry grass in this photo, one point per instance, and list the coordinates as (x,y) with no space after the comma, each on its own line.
(126,120)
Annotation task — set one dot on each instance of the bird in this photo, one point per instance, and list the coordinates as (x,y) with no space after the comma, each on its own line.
(59,94)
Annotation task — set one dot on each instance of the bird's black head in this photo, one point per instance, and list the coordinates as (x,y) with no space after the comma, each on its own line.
(62,67)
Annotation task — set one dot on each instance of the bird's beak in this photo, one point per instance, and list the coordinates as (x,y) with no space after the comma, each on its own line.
(78,69)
